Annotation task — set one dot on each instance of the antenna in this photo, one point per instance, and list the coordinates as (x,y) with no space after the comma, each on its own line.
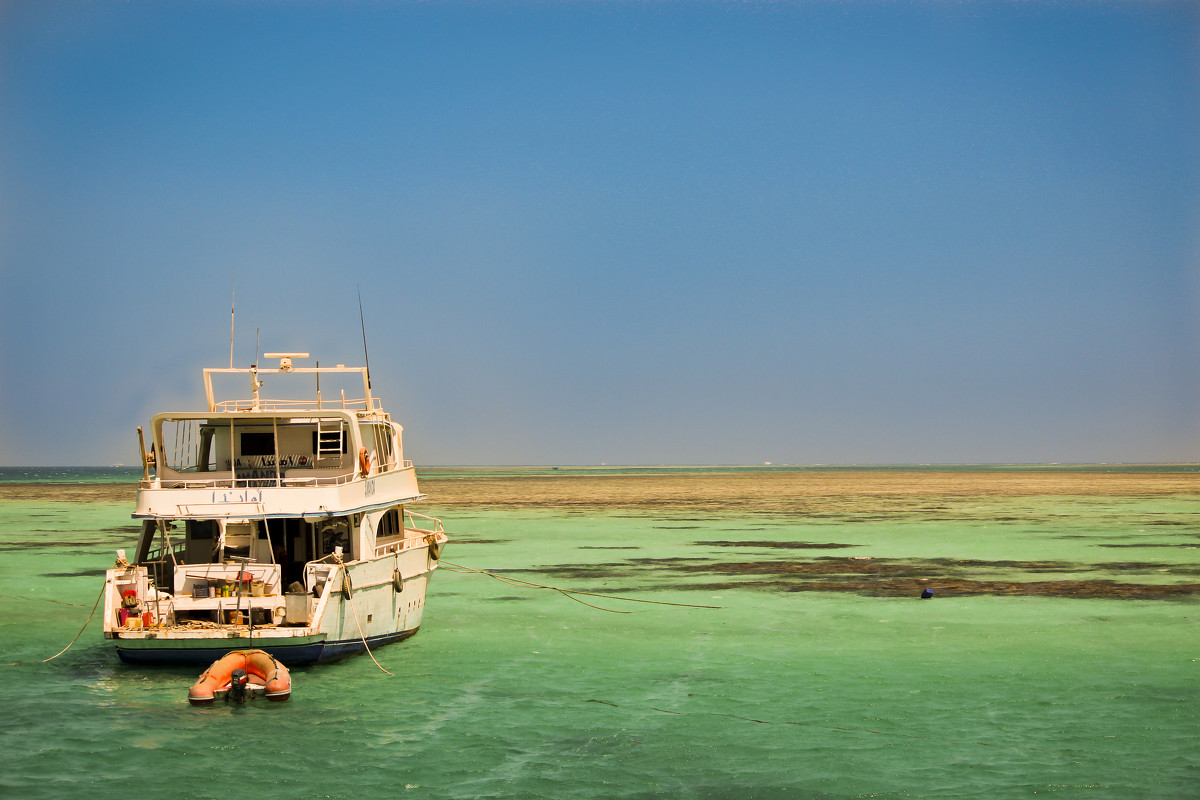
(255,383)
(363,322)
(232,305)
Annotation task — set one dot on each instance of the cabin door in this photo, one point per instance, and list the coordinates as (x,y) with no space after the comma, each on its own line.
(295,550)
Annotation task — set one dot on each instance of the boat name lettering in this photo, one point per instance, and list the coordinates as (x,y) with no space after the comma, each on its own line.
(249,496)
(369,488)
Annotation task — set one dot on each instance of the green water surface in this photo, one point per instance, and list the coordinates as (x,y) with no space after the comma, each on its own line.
(786,690)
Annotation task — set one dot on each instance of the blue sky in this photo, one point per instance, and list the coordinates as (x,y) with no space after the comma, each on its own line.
(614,232)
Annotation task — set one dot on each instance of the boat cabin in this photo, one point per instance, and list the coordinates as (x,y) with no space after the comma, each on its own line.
(257,497)
(264,442)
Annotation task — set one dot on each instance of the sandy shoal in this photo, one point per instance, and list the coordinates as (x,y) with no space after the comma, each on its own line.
(732,491)
(784,491)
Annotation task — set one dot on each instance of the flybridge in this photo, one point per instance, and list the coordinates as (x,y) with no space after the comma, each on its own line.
(317,440)
(365,403)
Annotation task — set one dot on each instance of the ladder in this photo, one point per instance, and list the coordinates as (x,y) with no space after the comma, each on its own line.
(331,441)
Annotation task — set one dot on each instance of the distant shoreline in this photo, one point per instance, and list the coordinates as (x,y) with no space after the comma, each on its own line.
(710,489)
(1183,466)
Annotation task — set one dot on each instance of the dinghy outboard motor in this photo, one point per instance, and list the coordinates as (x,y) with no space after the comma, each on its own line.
(237,686)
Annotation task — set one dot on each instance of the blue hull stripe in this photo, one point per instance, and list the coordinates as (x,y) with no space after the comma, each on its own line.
(289,655)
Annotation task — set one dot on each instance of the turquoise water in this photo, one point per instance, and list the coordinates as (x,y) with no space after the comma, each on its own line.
(803,683)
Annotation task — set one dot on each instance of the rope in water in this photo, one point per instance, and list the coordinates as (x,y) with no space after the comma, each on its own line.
(361,635)
(40,600)
(73,641)
(460,568)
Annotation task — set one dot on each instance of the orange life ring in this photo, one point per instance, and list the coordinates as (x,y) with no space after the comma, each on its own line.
(364,461)
(273,677)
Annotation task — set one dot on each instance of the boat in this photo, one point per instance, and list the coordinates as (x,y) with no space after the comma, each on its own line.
(274,525)
(230,676)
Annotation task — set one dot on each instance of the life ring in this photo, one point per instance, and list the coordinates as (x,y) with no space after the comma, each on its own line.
(397,581)
(273,679)
(364,461)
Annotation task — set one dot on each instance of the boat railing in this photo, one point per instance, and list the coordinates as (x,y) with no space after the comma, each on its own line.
(240,576)
(319,581)
(359,404)
(410,523)
(160,562)
(227,480)
(414,535)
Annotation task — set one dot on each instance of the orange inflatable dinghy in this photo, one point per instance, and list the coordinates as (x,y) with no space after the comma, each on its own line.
(240,674)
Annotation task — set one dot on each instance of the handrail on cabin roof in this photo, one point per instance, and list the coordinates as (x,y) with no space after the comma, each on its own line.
(285,368)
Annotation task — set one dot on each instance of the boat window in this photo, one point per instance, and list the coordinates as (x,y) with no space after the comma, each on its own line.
(378,438)
(390,524)
(184,445)
(332,533)
(258,444)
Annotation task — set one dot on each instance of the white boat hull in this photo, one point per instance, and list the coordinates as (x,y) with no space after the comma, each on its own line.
(370,609)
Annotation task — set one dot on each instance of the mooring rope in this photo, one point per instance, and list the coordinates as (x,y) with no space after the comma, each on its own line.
(40,600)
(567,592)
(361,635)
(68,647)
(520,582)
